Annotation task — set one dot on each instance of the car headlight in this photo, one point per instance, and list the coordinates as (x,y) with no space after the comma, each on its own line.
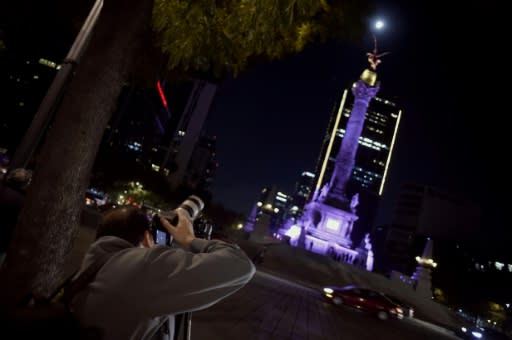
(328,290)
(476,334)
(464,329)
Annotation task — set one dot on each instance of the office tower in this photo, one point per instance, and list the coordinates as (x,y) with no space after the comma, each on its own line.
(202,165)
(425,211)
(376,143)
(24,83)
(298,199)
(160,128)
(189,129)
(271,208)
(303,188)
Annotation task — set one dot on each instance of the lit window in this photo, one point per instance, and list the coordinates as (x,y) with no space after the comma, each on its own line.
(332,224)
(47,62)
(36,76)
(21,104)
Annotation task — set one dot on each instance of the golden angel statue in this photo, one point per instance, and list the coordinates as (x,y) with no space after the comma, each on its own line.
(374,56)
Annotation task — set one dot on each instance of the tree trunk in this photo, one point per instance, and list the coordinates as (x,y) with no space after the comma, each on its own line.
(50,217)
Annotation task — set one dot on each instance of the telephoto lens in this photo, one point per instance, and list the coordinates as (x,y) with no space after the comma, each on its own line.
(192,206)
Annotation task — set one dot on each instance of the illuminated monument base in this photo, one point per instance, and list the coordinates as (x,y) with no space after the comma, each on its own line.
(327,231)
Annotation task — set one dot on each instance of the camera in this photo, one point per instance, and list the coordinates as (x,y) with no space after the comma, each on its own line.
(193,207)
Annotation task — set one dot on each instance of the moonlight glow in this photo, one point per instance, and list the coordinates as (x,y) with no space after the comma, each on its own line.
(379,24)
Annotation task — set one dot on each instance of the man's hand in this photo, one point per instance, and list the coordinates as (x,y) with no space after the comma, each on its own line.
(183,233)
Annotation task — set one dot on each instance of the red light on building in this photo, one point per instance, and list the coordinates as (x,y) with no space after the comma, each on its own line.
(161,93)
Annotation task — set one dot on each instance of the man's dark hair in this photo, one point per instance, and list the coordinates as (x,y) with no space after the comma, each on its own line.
(126,222)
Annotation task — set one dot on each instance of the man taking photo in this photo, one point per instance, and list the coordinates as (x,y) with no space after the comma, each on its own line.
(142,286)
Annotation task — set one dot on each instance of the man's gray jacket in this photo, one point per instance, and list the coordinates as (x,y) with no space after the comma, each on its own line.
(139,289)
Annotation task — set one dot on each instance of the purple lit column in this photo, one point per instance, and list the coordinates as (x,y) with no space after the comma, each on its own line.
(345,159)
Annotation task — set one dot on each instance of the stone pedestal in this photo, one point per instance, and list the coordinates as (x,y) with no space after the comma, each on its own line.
(328,230)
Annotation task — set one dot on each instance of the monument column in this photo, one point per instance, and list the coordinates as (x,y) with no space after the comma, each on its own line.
(330,215)
(363,91)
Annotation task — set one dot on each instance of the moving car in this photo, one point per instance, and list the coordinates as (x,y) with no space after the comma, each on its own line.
(408,310)
(364,299)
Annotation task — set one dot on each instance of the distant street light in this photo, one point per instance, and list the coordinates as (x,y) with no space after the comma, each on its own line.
(379,24)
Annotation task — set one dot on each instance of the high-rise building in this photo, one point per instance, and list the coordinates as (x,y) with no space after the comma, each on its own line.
(375,144)
(24,83)
(303,188)
(295,206)
(189,129)
(273,205)
(160,127)
(424,211)
(373,157)
(202,165)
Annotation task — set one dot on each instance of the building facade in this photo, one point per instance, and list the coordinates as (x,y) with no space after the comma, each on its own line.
(24,83)
(425,211)
(160,128)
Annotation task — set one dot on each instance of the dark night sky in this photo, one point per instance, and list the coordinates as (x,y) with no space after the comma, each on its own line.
(444,71)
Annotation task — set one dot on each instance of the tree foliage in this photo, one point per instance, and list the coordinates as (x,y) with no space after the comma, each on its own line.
(223,36)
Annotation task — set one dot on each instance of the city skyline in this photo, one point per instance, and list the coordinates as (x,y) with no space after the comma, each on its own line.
(270,120)
(285,106)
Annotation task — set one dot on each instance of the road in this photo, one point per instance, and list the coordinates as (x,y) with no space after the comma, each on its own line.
(270,307)
(273,308)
